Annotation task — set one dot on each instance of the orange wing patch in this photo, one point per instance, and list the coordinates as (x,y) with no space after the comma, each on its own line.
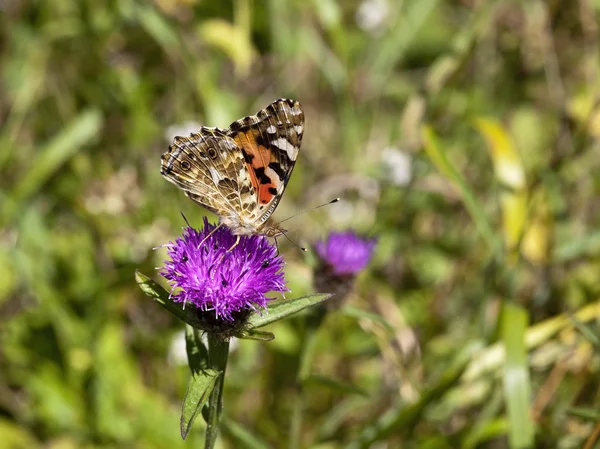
(258,157)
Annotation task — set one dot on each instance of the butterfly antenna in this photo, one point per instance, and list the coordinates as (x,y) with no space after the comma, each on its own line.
(335,200)
(293,243)
(185,219)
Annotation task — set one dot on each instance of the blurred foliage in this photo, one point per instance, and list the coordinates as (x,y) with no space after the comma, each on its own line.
(462,133)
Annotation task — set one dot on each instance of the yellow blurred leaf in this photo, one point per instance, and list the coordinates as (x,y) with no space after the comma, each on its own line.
(584,109)
(231,40)
(537,240)
(507,161)
(509,171)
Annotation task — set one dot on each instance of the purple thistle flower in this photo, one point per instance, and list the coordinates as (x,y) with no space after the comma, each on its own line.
(228,284)
(345,253)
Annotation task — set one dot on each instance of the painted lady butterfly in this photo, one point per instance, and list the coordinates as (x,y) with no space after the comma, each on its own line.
(240,173)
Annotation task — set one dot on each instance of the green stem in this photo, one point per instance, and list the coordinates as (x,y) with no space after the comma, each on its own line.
(218,351)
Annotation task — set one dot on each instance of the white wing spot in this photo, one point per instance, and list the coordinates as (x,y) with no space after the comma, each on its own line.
(272,174)
(271,129)
(214,174)
(299,129)
(281,143)
(292,152)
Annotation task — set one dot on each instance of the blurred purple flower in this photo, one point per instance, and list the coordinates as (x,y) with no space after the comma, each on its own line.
(345,253)
(203,274)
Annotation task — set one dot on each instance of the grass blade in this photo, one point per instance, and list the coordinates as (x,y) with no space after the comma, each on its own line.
(517,386)
(82,130)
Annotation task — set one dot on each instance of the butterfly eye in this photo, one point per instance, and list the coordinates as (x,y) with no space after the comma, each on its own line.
(212,153)
(185,165)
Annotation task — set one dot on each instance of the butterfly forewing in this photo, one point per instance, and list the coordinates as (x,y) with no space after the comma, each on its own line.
(270,143)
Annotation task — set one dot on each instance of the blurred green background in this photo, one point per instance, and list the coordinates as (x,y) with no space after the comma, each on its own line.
(462,134)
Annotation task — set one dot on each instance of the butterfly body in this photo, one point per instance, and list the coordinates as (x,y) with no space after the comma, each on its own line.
(240,172)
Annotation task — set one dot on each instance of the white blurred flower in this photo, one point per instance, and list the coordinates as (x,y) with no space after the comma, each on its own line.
(181,129)
(177,353)
(371,14)
(397,166)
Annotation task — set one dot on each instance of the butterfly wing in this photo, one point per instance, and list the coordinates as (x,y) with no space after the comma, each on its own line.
(270,141)
(209,167)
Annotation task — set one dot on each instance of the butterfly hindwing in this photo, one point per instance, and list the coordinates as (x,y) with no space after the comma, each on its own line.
(206,166)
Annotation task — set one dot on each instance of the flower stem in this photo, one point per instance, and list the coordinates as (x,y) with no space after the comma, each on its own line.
(218,351)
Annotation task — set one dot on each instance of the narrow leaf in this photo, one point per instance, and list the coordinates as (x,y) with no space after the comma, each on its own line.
(584,413)
(159,28)
(510,173)
(358,313)
(75,135)
(481,434)
(587,332)
(334,384)
(160,295)
(517,387)
(198,392)
(492,357)
(472,204)
(402,418)
(285,308)
(242,436)
(256,335)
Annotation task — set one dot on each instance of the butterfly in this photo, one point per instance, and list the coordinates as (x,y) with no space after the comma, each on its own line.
(240,173)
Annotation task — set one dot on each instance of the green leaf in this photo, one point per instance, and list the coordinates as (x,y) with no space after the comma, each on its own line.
(285,308)
(159,28)
(358,313)
(256,335)
(577,246)
(402,418)
(587,332)
(241,436)
(481,434)
(160,295)
(586,413)
(198,392)
(16,436)
(80,131)
(472,204)
(334,384)
(517,387)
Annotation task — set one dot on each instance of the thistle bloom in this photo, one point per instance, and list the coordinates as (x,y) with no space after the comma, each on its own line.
(222,285)
(345,253)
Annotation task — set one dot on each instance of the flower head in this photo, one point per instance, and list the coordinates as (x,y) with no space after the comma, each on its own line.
(345,253)
(223,284)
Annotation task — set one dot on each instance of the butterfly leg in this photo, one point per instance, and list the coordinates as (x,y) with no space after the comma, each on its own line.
(209,234)
(237,240)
